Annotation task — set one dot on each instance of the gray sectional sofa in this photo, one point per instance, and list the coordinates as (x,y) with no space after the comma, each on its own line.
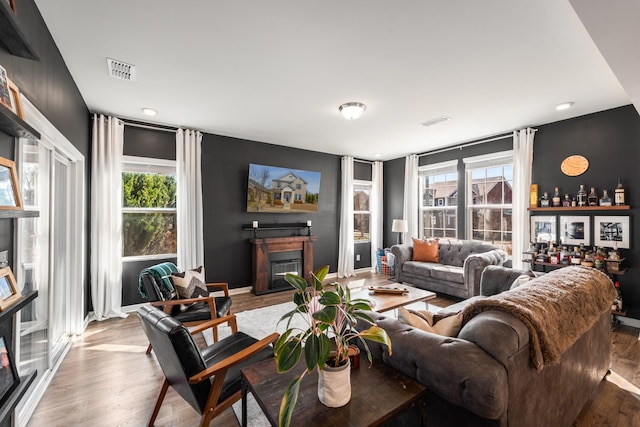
(486,376)
(458,271)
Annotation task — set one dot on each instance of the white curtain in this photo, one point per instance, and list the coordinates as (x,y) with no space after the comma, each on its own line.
(522,164)
(106,217)
(376,220)
(189,199)
(410,212)
(345,251)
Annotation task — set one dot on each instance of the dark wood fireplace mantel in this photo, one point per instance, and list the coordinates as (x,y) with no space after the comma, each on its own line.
(262,247)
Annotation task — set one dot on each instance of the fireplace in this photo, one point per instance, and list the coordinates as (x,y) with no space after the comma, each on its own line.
(280,249)
(280,268)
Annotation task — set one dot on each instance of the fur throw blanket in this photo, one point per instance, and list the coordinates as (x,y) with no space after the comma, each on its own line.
(557,308)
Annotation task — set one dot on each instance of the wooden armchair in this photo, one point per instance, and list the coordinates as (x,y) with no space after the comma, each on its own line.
(155,285)
(208,379)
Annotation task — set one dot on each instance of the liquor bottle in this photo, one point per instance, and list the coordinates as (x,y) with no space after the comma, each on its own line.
(573,202)
(576,258)
(581,197)
(605,200)
(556,198)
(617,303)
(544,200)
(619,194)
(566,202)
(592,198)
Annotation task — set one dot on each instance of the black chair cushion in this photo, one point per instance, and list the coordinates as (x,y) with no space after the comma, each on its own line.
(227,347)
(200,311)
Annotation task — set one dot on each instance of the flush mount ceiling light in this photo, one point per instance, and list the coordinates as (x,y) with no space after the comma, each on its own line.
(564,106)
(149,111)
(352,110)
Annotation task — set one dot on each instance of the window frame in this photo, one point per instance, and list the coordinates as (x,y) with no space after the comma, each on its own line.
(500,159)
(363,185)
(135,164)
(436,169)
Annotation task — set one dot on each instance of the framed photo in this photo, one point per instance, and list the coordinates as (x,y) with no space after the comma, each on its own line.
(9,293)
(9,378)
(611,231)
(10,198)
(5,95)
(543,229)
(16,103)
(575,230)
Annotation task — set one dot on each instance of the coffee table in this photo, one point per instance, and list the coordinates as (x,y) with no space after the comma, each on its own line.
(379,395)
(385,302)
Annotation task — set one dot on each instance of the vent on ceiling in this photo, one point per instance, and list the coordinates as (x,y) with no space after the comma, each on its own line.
(435,121)
(121,70)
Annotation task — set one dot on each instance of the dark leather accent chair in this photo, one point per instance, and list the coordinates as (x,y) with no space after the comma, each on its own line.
(208,379)
(189,311)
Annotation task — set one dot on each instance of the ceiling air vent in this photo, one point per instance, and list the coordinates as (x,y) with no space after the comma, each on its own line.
(435,121)
(121,70)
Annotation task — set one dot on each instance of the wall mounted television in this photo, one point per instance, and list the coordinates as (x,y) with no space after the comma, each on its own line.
(273,189)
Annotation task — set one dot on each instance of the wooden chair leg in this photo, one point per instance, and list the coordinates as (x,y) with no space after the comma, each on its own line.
(156,409)
(234,325)
(215,334)
(149,349)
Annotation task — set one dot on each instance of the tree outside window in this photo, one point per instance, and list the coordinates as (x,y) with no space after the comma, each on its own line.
(149,210)
(439,199)
(361,213)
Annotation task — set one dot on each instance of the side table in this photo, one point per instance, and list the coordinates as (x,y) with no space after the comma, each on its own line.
(380,395)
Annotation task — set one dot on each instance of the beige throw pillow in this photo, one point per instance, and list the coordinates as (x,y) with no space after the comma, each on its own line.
(190,284)
(423,320)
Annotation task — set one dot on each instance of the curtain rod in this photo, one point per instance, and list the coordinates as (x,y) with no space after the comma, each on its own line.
(460,147)
(363,161)
(139,125)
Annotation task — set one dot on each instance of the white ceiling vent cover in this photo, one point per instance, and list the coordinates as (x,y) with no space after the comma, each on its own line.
(121,70)
(435,121)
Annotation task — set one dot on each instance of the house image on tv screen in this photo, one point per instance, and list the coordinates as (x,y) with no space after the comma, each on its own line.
(275,189)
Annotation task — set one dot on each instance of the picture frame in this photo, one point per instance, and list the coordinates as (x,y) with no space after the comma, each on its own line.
(16,102)
(5,94)
(612,232)
(9,292)
(10,196)
(543,229)
(575,230)
(9,378)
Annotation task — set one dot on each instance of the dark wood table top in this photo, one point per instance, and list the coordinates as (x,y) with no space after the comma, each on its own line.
(378,394)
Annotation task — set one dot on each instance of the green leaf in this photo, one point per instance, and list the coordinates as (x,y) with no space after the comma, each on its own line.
(313,351)
(329,298)
(288,355)
(326,315)
(288,403)
(321,273)
(377,334)
(296,281)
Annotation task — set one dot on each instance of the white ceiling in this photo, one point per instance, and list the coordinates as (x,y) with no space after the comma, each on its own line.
(276,71)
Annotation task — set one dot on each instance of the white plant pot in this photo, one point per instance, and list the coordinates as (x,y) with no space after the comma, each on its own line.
(334,385)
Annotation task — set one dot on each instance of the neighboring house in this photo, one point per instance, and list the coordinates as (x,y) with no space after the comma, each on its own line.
(289,188)
(258,193)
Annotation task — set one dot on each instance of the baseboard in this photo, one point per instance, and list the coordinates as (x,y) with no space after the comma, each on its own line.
(629,321)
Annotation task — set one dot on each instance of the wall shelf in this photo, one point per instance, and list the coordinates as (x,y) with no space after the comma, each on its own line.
(18,214)
(582,208)
(12,36)
(13,125)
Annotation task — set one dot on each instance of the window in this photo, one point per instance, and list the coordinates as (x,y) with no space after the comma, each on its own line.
(148,207)
(489,195)
(361,212)
(438,200)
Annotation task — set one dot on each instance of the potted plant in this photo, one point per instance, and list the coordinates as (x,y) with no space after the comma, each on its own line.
(331,316)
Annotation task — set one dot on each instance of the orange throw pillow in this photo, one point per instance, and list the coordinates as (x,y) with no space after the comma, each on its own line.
(426,251)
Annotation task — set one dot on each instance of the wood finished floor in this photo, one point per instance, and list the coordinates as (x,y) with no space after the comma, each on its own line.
(107,380)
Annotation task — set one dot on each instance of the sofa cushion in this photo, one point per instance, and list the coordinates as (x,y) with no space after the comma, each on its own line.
(418,268)
(448,273)
(426,251)
(424,320)
(454,252)
(520,280)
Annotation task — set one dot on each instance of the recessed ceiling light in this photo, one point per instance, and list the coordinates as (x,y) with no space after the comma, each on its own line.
(377,155)
(149,111)
(352,110)
(564,106)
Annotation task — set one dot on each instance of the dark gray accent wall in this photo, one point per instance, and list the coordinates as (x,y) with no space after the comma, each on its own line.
(393,190)
(225,169)
(610,140)
(48,85)
(144,142)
